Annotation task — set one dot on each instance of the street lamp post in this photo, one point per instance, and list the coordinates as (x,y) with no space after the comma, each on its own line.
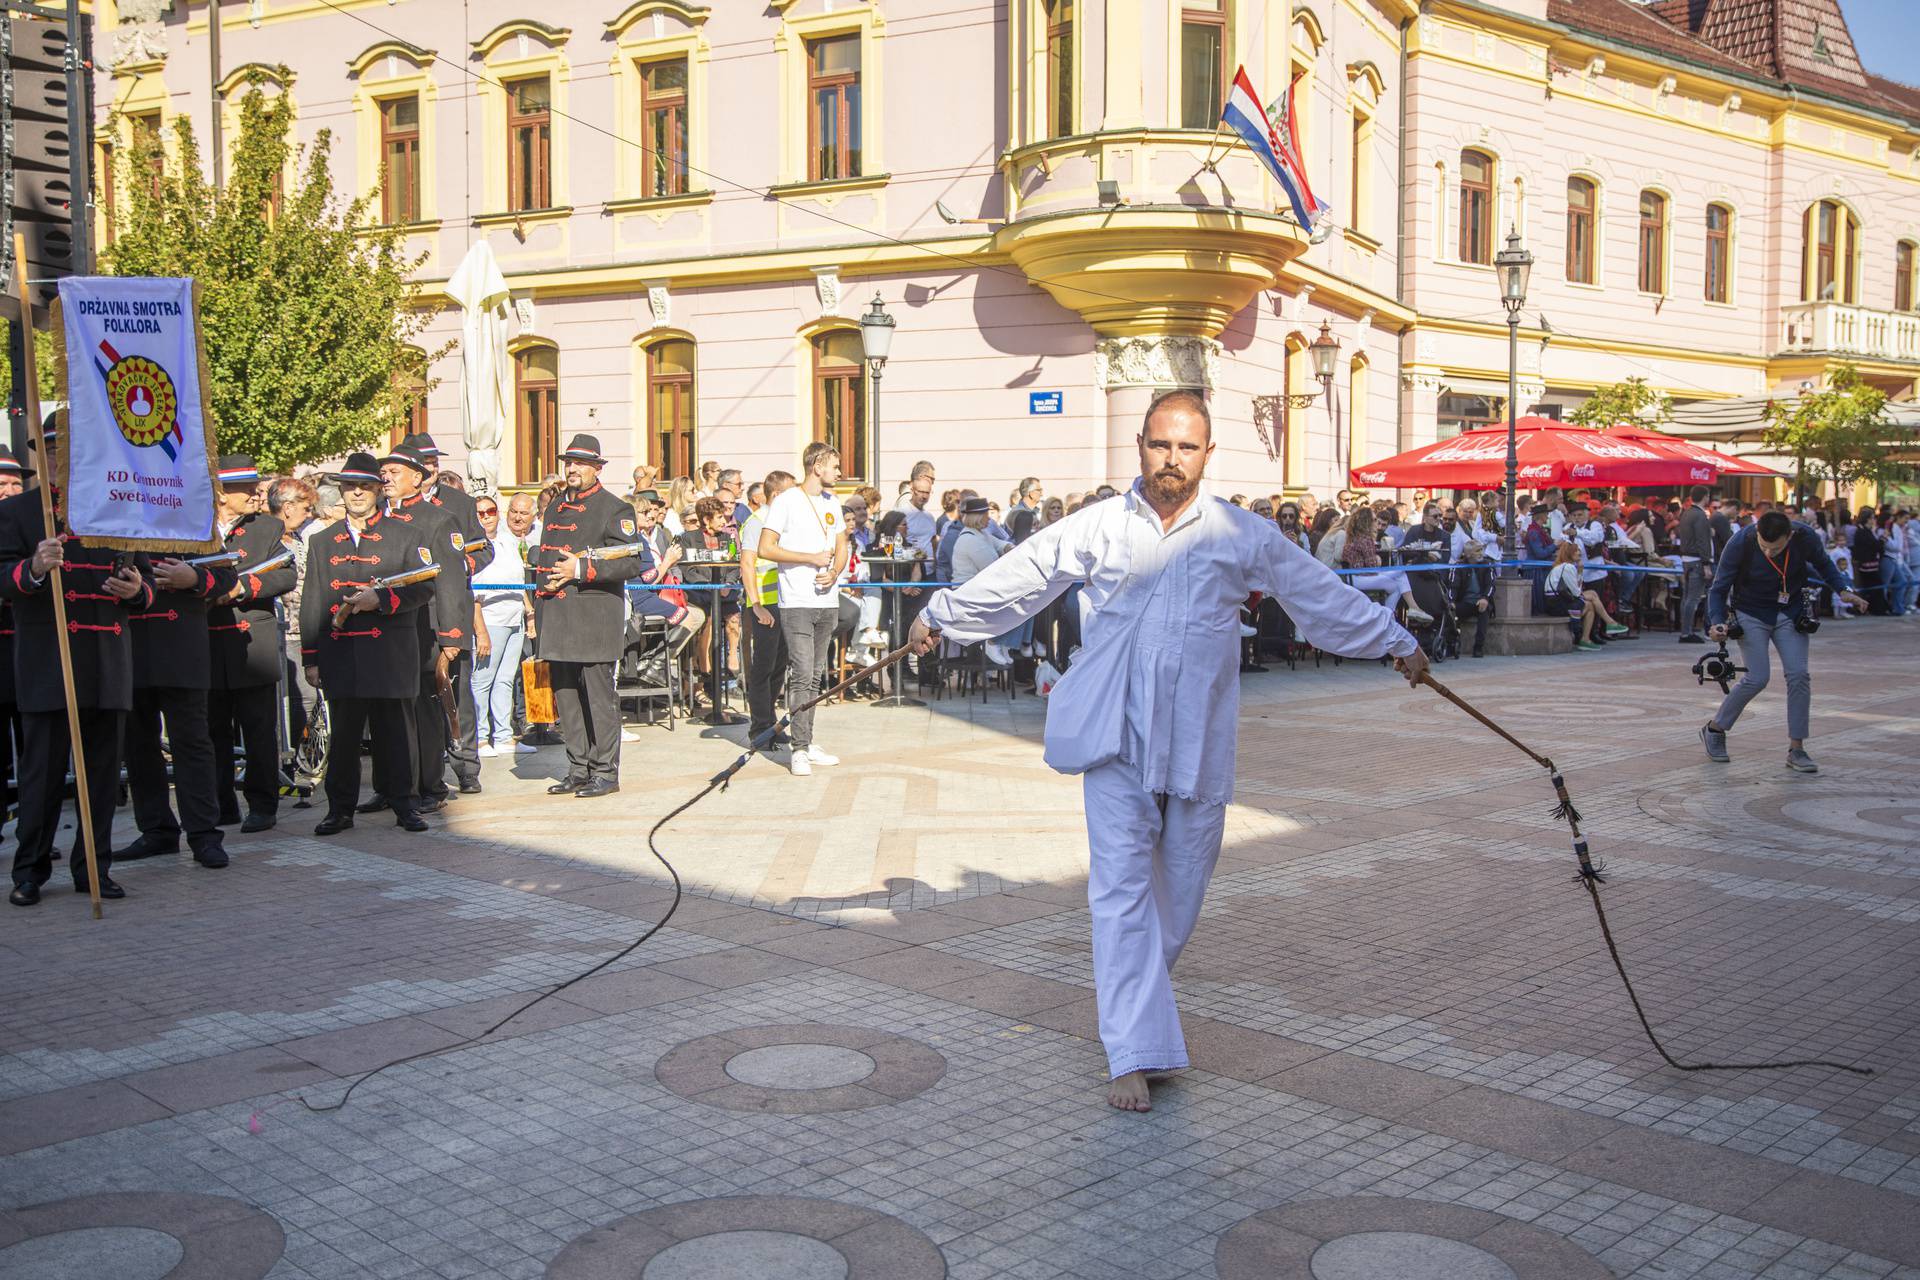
(876,339)
(1325,351)
(1514,265)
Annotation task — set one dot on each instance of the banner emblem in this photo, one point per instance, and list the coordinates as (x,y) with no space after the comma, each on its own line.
(141,397)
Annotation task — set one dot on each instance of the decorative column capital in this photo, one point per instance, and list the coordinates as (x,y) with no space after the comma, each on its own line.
(1173,361)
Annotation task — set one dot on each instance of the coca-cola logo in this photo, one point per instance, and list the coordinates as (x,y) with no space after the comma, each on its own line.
(1372,477)
(1469,451)
(1539,471)
(1615,449)
(1583,471)
(1702,474)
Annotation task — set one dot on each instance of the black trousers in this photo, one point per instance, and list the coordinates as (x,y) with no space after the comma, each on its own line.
(185,712)
(252,710)
(589,711)
(393,752)
(766,647)
(430,720)
(44,746)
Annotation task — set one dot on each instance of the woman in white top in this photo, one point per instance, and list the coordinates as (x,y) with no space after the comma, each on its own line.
(1564,587)
(681,496)
(973,552)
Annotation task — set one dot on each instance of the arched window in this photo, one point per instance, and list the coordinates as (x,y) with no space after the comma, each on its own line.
(1583,200)
(536,398)
(1829,262)
(1904,254)
(1719,279)
(670,408)
(1653,242)
(1476,207)
(410,396)
(840,398)
(1057,17)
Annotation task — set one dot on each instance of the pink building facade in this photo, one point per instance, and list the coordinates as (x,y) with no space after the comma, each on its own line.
(693,203)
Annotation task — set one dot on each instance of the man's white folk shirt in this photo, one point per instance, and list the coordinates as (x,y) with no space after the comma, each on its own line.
(1174,599)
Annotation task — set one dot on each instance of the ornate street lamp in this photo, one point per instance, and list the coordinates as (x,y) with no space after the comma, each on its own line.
(1324,351)
(1514,264)
(876,339)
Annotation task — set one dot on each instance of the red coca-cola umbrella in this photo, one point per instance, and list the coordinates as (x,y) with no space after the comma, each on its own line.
(1550,454)
(1726,464)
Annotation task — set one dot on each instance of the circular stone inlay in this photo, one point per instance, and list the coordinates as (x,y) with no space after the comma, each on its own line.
(125,1253)
(732,1254)
(800,1066)
(1405,1255)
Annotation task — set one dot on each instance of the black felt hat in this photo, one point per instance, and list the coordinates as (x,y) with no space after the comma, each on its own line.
(583,448)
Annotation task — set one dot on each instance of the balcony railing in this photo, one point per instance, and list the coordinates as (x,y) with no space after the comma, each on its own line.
(1840,329)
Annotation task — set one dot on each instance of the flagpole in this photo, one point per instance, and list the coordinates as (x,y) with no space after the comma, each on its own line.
(30,394)
(1214,141)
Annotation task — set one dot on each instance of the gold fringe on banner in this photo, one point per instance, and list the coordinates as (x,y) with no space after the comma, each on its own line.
(59,462)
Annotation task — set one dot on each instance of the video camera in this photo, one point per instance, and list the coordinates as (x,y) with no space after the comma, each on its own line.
(1719,667)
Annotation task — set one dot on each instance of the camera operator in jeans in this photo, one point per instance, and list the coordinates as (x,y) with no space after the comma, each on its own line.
(1763,576)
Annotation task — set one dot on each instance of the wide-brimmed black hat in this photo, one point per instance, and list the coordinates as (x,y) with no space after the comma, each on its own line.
(238,468)
(359,468)
(10,465)
(422,443)
(583,448)
(407,455)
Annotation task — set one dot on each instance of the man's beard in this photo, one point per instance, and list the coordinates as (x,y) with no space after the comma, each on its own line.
(1171,486)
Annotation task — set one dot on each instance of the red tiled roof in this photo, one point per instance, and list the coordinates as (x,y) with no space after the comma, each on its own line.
(1804,43)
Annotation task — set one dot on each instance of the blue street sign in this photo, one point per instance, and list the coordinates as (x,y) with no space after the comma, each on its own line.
(1044,402)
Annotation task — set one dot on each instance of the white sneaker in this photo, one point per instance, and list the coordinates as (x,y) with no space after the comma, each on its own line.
(488,749)
(819,757)
(874,638)
(1417,616)
(1247,632)
(629,735)
(522,749)
(997,655)
(800,765)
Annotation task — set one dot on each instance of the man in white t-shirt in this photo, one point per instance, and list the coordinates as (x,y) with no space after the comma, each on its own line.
(806,535)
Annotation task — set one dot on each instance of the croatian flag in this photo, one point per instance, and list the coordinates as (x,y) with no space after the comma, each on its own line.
(1246,117)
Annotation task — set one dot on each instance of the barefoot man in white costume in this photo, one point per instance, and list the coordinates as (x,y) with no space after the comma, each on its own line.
(1149,710)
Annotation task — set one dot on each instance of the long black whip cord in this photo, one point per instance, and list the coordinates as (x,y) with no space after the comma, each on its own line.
(718,782)
(1591,878)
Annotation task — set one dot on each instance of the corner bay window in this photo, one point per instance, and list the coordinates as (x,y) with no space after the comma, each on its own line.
(529,144)
(833,108)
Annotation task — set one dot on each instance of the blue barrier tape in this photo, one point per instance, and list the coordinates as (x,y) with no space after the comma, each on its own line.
(1664,570)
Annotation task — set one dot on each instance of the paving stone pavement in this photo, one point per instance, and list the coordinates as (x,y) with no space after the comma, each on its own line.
(1410,1048)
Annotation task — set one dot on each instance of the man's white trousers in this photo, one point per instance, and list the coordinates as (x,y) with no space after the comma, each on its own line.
(1152,856)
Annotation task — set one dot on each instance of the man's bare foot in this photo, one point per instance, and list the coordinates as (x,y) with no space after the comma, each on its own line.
(1129,1092)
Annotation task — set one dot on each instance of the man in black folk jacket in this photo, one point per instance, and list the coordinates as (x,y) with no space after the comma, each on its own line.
(243,635)
(580,616)
(102,589)
(171,670)
(361,646)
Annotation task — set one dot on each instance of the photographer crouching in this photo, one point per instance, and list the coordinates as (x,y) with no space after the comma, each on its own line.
(1764,576)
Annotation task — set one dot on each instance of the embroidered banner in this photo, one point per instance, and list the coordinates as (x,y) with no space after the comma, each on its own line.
(138,453)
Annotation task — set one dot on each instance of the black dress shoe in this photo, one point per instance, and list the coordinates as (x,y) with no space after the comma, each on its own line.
(598,787)
(471,787)
(410,822)
(24,895)
(431,804)
(566,785)
(333,824)
(1693,639)
(258,822)
(228,818)
(214,856)
(108,889)
(374,805)
(146,847)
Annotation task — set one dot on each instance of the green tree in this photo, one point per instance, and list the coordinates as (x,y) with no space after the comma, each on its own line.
(1632,401)
(308,311)
(44,356)
(1839,433)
